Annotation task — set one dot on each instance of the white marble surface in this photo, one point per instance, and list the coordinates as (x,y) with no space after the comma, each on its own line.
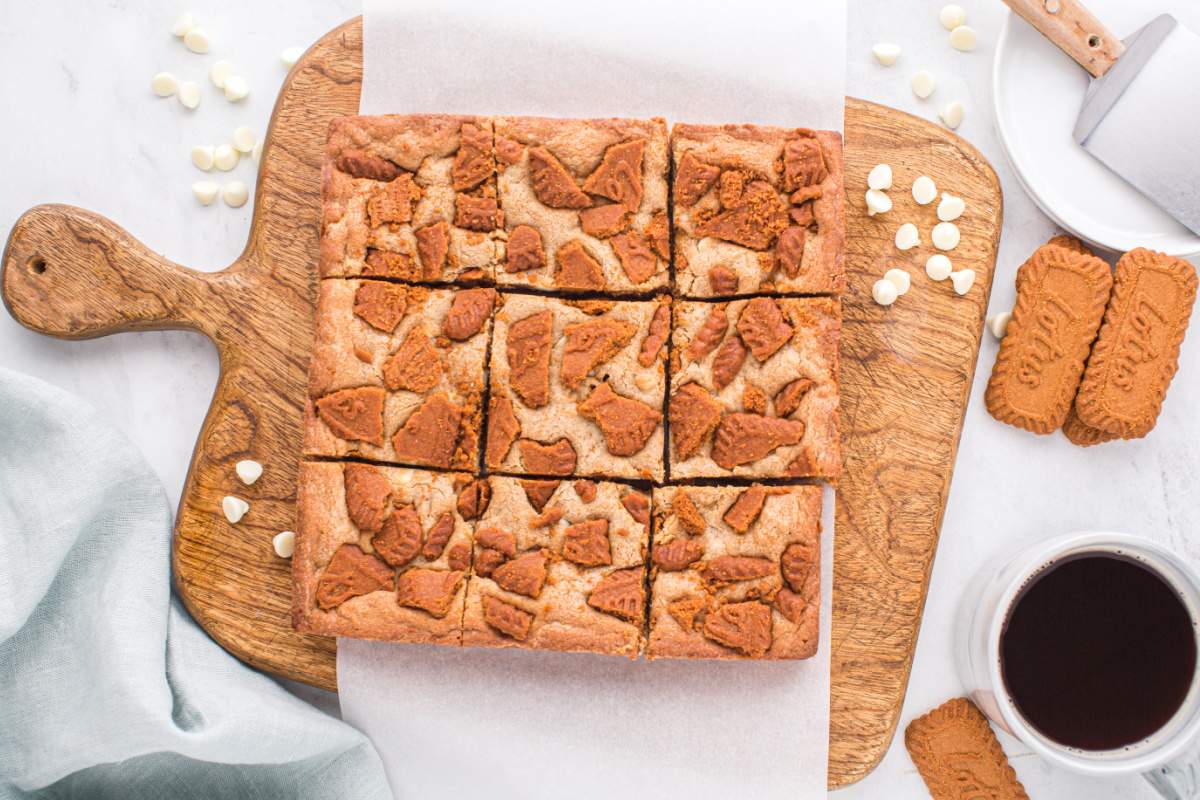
(85,129)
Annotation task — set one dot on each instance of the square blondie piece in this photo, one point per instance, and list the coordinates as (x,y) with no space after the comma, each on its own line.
(410,197)
(397,373)
(559,565)
(584,204)
(757,210)
(577,387)
(735,572)
(381,553)
(754,389)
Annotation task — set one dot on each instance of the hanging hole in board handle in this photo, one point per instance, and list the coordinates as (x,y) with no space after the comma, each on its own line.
(37,265)
(1093,41)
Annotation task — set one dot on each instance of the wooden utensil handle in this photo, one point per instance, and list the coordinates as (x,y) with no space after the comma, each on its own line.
(1074,30)
(76,275)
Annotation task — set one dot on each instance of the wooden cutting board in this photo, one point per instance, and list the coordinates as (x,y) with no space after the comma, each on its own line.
(906,375)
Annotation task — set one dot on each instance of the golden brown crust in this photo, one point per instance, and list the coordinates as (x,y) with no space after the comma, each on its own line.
(954,740)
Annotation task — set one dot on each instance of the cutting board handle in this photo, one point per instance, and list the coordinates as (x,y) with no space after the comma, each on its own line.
(1074,30)
(77,275)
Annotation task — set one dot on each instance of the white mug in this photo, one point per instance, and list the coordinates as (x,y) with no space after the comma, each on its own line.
(1168,759)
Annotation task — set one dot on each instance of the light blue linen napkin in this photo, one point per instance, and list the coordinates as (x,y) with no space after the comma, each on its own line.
(107,687)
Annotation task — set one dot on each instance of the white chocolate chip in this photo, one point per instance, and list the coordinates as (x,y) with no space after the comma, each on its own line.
(877,203)
(284,544)
(886,53)
(257,151)
(235,194)
(248,471)
(236,88)
(924,191)
(880,177)
(218,72)
(884,292)
(183,23)
(952,114)
(196,40)
(234,507)
(951,207)
(164,84)
(189,94)
(938,267)
(225,157)
(900,279)
(644,380)
(244,139)
(205,191)
(923,84)
(951,16)
(202,156)
(907,236)
(997,324)
(963,38)
(291,55)
(945,236)
(963,280)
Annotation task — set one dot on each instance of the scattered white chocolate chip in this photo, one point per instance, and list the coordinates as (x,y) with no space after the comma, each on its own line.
(183,23)
(234,507)
(225,157)
(164,84)
(924,190)
(189,94)
(923,84)
(202,156)
(244,139)
(236,88)
(938,267)
(951,16)
(877,202)
(291,55)
(951,207)
(952,114)
(884,292)
(205,191)
(248,471)
(257,151)
(886,53)
(218,72)
(963,38)
(284,544)
(963,280)
(880,177)
(945,236)
(907,236)
(644,380)
(900,279)
(235,194)
(196,40)
(997,324)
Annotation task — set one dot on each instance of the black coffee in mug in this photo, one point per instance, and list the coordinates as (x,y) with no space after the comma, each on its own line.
(1098,652)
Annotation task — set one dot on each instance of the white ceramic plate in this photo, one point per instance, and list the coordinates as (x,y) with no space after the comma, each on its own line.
(1037,91)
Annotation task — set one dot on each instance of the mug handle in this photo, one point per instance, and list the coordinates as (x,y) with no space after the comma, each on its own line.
(1179,778)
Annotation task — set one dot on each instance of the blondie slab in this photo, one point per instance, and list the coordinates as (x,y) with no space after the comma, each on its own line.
(754,389)
(559,565)
(757,209)
(381,553)
(577,387)
(735,572)
(410,197)
(584,203)
(397,373)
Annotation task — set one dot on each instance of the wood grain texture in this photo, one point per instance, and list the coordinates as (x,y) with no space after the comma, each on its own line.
(906,374)
(1073,29)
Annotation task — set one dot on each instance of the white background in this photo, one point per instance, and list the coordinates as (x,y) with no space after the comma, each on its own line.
(83,128)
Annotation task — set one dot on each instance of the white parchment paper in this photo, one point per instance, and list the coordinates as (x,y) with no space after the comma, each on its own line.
(523,725)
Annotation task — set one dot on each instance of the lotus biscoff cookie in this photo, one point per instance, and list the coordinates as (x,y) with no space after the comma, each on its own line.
(959,757)
(1061,297)
(1137,352)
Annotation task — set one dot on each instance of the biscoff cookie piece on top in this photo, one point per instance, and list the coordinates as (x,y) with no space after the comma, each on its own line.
(735,572)
(754,389)
(584,204)
(411,197)
(559,565)
(381,552)
(397,373)
(757,209)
